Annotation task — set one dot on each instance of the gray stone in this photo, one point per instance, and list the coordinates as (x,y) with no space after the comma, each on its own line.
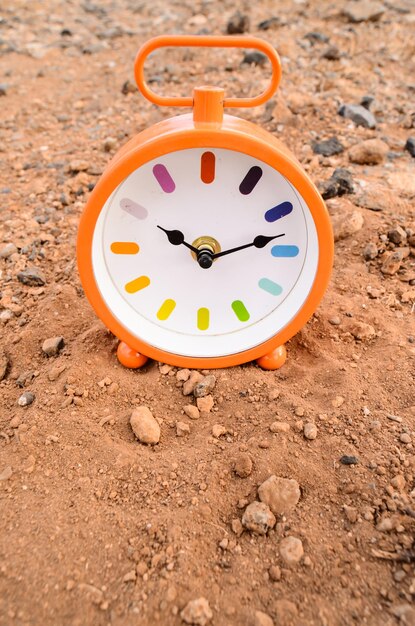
(32,276)
(328,147)
(3,89)
(7,250)
(26,398)
(238,24)
(258,518)
(358,114)
(410,146)
(370,251)
(255,58)
(340,183)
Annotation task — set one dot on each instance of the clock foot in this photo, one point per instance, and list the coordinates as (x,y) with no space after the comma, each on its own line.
(273,360)
(129,357)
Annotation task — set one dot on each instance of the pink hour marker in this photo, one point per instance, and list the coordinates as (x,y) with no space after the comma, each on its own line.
(131,207)
(163,178)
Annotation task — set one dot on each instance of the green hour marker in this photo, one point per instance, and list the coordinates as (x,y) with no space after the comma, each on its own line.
(166,309)
(203,319)
(240,311)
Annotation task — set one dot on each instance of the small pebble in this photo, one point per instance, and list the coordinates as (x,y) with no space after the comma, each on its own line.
(369,152)
(274,573)
(255,58)
(328,147)
(7,250)
(182,429)
(258,518)
(194,378)
(205,386)
(6,473)
(263,619)
(242,465)
(53,345)
(349,460)
(310,431)
(291,550)
(26,398)
(279,427)
(370,251)
(197,612)
(280,494)
(32,276)
(110,144)
(205,404)
(410,146)
(358,114)
(340,183)
(405,438)
(397,235)
(4,364)
(218,430)
(145,427)
(191,411)
(237,24)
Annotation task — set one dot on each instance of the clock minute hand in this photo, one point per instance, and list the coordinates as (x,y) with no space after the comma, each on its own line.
(176,238)
(259,242)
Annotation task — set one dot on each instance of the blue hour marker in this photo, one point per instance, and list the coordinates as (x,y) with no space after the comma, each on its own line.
(279,211)
(268,285)
(284,251)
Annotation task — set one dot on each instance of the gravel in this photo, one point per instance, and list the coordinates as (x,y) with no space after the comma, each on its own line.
(358,114)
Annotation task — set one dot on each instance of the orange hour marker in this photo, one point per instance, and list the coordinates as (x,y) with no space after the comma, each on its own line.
(138,283)
(207,167)
(124,247)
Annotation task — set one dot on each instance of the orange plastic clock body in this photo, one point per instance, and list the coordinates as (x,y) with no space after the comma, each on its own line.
(206,128)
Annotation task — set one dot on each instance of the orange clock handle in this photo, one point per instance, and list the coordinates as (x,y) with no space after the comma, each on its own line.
(196,41)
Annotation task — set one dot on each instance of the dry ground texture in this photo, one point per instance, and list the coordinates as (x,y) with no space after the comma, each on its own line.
(97,528)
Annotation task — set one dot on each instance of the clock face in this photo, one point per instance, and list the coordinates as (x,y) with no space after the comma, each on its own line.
(147,270)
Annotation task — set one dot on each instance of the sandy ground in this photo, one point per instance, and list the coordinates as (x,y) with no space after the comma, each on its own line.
(97,528)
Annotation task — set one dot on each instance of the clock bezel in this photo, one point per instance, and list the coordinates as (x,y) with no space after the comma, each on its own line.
(178,134)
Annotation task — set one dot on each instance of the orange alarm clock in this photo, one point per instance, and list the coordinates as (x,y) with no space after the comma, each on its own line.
(204,244)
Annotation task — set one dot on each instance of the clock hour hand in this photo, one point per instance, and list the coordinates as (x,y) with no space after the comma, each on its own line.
(259,242)
(176,238)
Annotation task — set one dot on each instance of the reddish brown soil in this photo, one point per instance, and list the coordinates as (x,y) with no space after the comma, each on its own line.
(99,529)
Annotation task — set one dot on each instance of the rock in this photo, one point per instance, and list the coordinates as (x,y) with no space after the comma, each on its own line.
(145,427)
(258,518)
(269,23)
(197,612)
(25,378)
(218,430)
(78,165)
(3,89)
(242,465)
(6,473)
(110,143)
(7,250)
(328,147)
(32,276)
(286,613)
(339,183)
(254,58)
(316,37)
(205,405)
(410,146)
(405,613)
(337,402)
(4,364)
(279,427)
(130,577)
(182,429)
(332,53)
(397,235)
(194,378)
(369,152)
(128,87)
(385,525)
(237,527)
(53,345)
(358,114)
(398,482)
(351,513)
(274,573)
(280,494)
(55,372)
(362,331)
(191,411)
(291,550)
(392,263)
(6,315)
(238,24)
(363,11)
(262,619)
(310,431)
(205,386)
(405,438)
(349,460)
(370,251)
(183,375)
(26,398)
(346,224)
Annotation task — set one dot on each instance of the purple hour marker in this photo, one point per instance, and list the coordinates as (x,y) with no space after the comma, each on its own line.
(163,178)
(279,211)
(131,207)
(250,181)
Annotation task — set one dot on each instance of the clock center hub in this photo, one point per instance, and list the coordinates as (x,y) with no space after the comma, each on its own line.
(207,246)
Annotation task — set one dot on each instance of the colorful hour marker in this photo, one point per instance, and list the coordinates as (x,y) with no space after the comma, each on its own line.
(207,167)
(203,319)
(268,285)
(279,211)
(138,283)
(284,251)
(251,180)
(124,247)
(240,311)
(166,309)
(134,209)
(163,178)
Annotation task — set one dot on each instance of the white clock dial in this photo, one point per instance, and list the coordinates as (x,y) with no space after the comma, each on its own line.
(158,291)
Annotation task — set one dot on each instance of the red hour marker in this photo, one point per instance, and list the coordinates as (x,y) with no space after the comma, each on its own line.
(207,167)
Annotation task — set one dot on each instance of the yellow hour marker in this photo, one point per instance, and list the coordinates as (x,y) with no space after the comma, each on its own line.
(166,309)
(203,319)
(138,283)
(124,247)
